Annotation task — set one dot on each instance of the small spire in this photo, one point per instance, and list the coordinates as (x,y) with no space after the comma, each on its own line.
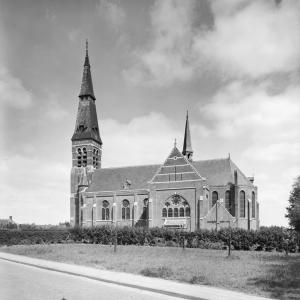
(175,143)
(229,155)
(187,143)
(87,47)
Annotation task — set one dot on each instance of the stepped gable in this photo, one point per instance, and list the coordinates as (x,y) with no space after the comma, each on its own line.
(176,168)
(112,179)
(220,172)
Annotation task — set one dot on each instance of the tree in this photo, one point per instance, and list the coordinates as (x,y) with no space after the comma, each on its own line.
(293,210)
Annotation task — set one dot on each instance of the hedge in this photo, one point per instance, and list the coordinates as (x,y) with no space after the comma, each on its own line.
(267,238)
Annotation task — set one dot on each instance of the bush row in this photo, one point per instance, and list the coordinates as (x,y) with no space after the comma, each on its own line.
(267,238)
(37,236)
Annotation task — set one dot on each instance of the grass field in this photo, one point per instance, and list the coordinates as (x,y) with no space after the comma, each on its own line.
(262,273)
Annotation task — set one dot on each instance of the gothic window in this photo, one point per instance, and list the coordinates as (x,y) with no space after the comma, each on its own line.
(164,212)
(214,197)
(105,210)
(181,212)
(176,207)
(125,210)
(84,157)
(187,211)
(176,212)
(79,153)
(242,204)
(253,204)
(227,200)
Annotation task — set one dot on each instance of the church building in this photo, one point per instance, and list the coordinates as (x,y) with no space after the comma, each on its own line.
(179,192)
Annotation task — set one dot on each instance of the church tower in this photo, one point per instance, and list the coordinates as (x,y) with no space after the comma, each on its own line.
(86,144)
(86,140)
(187,150)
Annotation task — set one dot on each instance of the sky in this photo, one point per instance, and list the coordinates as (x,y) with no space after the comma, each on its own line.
(234,65)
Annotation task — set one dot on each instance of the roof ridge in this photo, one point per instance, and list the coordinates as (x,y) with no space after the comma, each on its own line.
(212,159)
(135,166)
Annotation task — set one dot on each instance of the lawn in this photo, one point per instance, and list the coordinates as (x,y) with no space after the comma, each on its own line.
(261,273)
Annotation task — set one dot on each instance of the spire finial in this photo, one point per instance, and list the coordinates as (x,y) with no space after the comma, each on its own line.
(187,113)
(87,47)
(175,143)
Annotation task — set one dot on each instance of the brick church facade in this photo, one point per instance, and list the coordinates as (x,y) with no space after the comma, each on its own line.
(178,193)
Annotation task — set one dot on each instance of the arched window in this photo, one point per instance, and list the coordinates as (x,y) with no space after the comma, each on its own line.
(227,200)
(253,204)
(187,211)
(79,153)
(176,212)
(125,210)
(164,212)
(214,197)
(181,212)
(176,207)
(242,204)
(84,157)
(105,210)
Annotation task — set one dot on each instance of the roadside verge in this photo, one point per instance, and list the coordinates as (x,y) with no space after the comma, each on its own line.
(167,287)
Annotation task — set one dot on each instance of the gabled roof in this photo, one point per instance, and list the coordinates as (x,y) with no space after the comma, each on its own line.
(220,171)
(217,172)
(112,179)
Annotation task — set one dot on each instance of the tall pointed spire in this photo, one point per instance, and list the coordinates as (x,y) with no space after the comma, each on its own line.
(187,143)
(87,83)
(87,121)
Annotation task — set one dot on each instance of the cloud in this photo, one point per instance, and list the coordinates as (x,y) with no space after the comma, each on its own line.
(113,13)
(144,140)
(74,34)
(168,57)
(253,39)
(53,111)
(42,193)
(241,109)
(244,42)
(12,91)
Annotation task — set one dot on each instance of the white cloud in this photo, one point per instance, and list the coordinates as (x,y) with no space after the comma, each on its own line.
(34,189)
(113,13)
(169,56)
(144,140)
(253,40)
(74,34)
(53,110)
(249,39)
(12,91)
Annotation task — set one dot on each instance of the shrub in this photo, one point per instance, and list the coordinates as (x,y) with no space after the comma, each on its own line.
(267,238)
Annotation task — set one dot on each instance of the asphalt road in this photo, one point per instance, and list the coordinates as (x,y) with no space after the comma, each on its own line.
(21,282)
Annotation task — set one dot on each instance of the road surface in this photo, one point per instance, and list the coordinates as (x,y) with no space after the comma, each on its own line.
(22,282)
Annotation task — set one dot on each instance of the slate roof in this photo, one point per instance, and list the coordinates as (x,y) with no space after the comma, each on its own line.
(87,83)
(187,142)
(217,172)
(87,122)
(112,179)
